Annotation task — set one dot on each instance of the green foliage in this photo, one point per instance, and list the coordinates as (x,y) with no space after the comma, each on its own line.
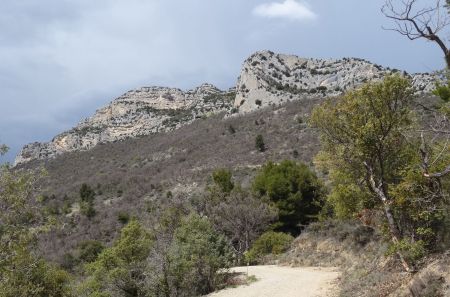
(259,143)
(294,190)
(87,197)
(269,243)
(21,272)
(223,179)
(411,250)
(87,194)
(31,276)
(196,256)
(363,127)
(346,198)
(443,90)
(123,217)
(89,250)
(87,209)
(3,149)
(372,160)
(120,269)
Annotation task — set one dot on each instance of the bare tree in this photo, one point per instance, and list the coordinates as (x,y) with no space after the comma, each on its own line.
(420,23)
(240,216)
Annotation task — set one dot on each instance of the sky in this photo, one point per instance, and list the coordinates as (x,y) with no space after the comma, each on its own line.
(60,60)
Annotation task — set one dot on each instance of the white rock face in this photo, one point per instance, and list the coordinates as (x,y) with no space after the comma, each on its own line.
(268,78)
(138,112)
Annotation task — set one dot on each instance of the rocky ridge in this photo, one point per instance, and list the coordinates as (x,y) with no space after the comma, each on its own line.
(266,79)
(136,113)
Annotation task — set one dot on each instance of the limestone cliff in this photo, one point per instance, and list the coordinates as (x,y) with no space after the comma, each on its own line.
(266,79)
(138,112)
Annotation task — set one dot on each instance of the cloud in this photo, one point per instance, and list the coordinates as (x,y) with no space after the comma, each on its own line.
(289,9)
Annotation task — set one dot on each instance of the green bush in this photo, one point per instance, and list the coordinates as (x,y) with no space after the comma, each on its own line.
(270,242)
(121,269)
(87,194)
(259,143)
(292,188)
(223,179)
(196,256)
(89,250)
(123,217)
(411,251)
(87,209)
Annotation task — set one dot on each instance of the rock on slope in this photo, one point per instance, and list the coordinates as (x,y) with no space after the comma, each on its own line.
(266,79)
(138,112)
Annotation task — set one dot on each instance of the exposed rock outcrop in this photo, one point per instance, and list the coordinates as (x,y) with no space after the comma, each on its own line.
(138,112)
(267,78)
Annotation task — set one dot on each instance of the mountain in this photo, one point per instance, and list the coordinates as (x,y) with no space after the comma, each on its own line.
(266,79)
(138,112)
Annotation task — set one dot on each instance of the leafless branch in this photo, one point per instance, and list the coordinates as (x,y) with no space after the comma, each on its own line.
(418,23)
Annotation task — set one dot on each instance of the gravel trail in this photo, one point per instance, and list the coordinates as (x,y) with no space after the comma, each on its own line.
(282,281)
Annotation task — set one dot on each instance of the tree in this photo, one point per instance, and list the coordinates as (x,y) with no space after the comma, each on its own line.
(259,143)
(420,23)
(270,242)
(294,190)
(87,196)
(121,269)
(240,216)
(22,271)
(223,179)
(197,255)
(366,148)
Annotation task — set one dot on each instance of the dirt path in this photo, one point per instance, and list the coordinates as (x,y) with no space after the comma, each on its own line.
(285,281)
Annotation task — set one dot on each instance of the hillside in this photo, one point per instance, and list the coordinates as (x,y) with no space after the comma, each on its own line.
(131,174)
(151,153)
(155,140)
(266,79)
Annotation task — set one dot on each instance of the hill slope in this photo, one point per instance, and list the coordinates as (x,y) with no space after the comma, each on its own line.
(266,79)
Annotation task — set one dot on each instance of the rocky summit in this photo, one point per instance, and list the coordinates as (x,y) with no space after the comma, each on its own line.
(266,79)
(136,113)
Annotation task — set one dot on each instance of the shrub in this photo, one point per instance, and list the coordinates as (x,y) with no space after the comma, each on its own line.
(87,194)
(89,250)
(292,188)
(120,269)
(123,217)
(197,255)
(269,243)
(223,179)
(240,216)
(87,209)
(259,143)
(258,102)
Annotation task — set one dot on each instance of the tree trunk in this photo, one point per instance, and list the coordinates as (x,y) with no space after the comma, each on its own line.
(447,59)
(395,234)
(393,228)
